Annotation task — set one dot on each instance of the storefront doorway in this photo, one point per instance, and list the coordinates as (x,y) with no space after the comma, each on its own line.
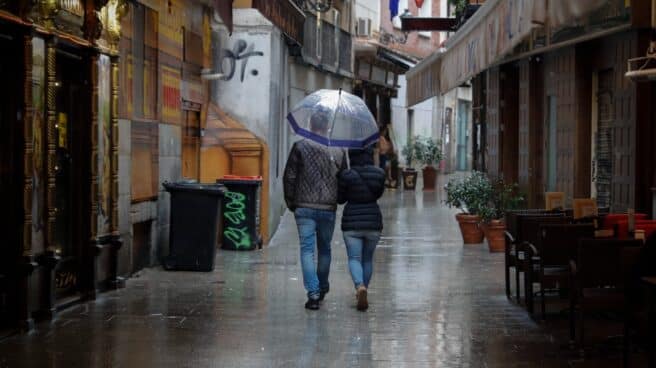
(11,68)
(72,171)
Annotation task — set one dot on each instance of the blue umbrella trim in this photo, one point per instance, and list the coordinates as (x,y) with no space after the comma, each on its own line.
(346,143)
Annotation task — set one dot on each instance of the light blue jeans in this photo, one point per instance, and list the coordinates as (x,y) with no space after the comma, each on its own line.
(360,247)
(315,229)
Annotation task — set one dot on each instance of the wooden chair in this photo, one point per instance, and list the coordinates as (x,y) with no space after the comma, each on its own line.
(527,260)
(512,236)
(600,275)
(555,246)
(554,200)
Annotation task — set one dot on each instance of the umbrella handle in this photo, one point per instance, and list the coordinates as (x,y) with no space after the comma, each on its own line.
(348,160)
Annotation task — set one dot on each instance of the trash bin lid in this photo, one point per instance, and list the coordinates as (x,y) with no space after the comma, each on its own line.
(206,188)
(241,180)
(242,177)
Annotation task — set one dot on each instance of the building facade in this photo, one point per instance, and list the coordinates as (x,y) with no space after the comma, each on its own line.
(446,117)
(554,110)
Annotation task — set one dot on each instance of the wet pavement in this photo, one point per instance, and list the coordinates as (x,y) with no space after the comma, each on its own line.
(433,303)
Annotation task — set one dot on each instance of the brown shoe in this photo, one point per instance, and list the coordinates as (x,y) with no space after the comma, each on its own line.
(361,295)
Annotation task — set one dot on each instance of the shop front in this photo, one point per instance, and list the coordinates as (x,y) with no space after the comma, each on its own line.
(58,155)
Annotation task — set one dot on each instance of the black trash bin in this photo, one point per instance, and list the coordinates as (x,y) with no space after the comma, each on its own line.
(241,213)
(193,235)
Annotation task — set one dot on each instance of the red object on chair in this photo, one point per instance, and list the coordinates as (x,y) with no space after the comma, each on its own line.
(648,228)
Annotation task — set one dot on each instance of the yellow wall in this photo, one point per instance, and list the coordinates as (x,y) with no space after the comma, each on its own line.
(242,4)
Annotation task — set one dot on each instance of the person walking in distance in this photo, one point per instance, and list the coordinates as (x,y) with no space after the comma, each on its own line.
(310,187)
(360,187)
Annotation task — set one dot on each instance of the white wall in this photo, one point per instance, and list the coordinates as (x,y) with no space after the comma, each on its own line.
(424,118)
(368,9)
(258,101)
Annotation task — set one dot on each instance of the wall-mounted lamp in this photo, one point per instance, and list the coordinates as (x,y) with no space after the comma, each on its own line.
(386,38)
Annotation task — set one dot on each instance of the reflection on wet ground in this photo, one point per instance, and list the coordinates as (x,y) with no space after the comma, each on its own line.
(433,303)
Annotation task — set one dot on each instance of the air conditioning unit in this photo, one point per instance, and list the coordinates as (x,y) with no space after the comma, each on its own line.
(364,27)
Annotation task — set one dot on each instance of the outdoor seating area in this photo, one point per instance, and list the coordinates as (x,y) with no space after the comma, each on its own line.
(587,267)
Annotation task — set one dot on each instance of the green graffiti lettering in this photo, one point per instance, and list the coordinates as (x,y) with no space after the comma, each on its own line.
(239,237)
(235,208)
(235,214)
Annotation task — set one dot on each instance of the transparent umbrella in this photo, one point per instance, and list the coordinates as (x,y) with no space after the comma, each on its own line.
(334,118)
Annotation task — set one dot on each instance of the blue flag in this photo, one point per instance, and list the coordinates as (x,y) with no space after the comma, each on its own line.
(394,8)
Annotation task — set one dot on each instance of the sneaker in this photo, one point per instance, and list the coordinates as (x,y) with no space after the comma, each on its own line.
(312,304)
(322,294)
(361,296)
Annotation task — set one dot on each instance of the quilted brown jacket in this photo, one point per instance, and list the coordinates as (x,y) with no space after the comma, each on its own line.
(310,178)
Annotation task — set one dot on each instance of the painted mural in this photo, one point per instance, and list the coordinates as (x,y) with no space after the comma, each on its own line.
(171,104)
(171,23)
(38,122)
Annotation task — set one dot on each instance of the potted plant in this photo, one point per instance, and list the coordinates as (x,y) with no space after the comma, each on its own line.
(503,197)
(470,195)
(429,153)
(409,173)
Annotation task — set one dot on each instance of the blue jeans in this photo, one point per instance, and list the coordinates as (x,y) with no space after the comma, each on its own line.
(360,246)
(315,229)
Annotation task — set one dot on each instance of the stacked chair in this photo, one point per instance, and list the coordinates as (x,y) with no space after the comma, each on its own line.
(554,251)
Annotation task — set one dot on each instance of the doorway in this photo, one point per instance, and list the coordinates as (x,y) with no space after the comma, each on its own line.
(464,108)
(72,170)
(11,173)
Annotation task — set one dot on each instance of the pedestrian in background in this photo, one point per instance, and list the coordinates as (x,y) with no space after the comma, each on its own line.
(310,186)
(360,187)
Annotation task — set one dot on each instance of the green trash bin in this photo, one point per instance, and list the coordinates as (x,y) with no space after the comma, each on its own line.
(241,213)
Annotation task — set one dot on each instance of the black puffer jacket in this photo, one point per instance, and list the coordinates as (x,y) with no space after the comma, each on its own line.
(360,187)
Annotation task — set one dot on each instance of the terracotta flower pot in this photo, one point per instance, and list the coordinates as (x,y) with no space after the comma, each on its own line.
(430,175)
(495,235)
(409,179)
(471,232)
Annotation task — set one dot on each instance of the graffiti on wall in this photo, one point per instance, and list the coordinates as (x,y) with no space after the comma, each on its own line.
(236,229)
(241,51)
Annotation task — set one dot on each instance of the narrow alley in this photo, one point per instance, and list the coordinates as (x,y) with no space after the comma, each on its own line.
(434,303)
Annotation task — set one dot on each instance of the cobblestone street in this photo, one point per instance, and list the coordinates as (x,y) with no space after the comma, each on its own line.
(434,303)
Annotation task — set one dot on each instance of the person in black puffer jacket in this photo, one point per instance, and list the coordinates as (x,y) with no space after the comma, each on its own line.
(362,222)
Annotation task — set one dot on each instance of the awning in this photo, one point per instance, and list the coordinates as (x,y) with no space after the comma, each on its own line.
(487,38)
(377,64)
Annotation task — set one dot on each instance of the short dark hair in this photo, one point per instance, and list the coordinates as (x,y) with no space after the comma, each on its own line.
(319,122)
